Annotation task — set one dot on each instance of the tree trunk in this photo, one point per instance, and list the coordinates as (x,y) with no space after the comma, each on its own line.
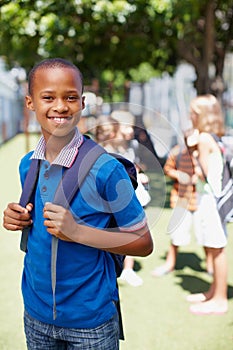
(203,83)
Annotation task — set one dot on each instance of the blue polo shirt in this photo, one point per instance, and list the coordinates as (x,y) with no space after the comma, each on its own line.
(85,276)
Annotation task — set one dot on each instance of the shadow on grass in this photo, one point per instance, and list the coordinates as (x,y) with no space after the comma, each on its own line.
(194,284)
(137,266)
(190,260)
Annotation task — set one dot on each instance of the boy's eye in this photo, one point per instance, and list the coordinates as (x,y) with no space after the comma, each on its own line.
(48,98)
(72,98)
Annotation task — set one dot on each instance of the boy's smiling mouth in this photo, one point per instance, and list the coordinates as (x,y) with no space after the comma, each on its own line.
(60,120)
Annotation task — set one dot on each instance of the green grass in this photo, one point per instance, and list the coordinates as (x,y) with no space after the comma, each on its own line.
(155,315)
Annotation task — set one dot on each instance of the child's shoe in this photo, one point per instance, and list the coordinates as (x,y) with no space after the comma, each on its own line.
(130,276)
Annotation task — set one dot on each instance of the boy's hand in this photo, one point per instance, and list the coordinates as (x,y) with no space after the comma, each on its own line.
(60,222)
(16,217)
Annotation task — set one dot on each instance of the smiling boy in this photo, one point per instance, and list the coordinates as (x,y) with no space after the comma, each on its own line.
(86,316)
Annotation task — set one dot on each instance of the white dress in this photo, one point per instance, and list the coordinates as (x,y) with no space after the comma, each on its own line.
(208,227)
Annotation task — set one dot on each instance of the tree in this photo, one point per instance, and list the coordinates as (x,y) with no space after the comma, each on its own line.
(120,35)
(205,35)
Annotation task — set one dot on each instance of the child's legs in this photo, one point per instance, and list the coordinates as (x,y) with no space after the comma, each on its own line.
(128,262)
(179,228)
(171,257)
(219,285)
(215,300)
(209,261)
(208,228)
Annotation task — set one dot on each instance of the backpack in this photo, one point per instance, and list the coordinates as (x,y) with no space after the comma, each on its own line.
(89,152)
(224,201)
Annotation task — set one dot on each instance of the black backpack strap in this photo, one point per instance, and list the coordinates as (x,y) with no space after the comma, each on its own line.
(89,151)
(29,183)
(26,196)
(70,183)
(88,154)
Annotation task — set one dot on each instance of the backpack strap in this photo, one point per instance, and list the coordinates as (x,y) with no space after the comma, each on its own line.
(88,153)
(70,183)
(26,196)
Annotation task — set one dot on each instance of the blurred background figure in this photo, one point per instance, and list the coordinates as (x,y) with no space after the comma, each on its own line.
(115,133)
(207,118)
(93,104)
(183,199)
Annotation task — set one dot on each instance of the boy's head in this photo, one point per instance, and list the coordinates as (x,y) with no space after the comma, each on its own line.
(50,64)
(56,97)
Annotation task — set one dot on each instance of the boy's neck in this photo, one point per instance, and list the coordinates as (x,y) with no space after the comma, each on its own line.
(54,145)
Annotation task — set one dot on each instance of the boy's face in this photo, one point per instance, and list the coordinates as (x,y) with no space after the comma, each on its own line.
(57,100)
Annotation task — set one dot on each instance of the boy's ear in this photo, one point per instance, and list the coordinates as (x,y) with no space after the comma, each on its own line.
(83,102)
(29,102)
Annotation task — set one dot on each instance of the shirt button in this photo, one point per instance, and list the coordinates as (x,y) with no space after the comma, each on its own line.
(44,189)
(46,175)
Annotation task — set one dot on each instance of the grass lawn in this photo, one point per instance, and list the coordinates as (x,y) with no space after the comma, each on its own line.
(156,315)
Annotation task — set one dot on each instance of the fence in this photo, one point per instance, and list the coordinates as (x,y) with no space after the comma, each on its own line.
(11,105)
(163,104)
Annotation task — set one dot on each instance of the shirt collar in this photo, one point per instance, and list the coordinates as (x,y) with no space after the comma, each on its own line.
(68,153)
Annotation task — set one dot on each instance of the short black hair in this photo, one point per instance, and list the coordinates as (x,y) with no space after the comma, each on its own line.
(51,63)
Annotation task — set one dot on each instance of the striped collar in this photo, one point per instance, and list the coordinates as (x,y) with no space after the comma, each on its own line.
(68,153)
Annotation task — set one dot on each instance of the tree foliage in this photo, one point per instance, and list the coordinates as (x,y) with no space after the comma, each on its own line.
(119,35)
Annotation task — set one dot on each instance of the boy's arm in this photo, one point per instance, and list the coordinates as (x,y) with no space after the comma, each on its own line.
(61,222)
(16,217)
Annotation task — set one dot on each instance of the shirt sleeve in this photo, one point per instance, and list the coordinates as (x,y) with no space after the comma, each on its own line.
(122,200)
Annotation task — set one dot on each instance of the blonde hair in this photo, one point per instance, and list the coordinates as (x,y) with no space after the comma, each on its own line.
(208,114)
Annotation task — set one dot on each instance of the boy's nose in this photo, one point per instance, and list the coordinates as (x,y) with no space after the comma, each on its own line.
(60,106)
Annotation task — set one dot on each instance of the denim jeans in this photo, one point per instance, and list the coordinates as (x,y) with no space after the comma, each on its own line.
(42,336)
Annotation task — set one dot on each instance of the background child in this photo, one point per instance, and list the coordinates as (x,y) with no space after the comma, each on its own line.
(118,137)
(206,116)
(183,199)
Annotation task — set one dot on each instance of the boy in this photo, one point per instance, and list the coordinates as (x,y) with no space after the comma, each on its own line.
(80,312)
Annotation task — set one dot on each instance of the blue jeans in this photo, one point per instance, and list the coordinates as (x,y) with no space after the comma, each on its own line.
(42,336)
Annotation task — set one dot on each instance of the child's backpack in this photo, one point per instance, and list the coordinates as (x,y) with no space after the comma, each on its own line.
(71,182)
(225,200)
